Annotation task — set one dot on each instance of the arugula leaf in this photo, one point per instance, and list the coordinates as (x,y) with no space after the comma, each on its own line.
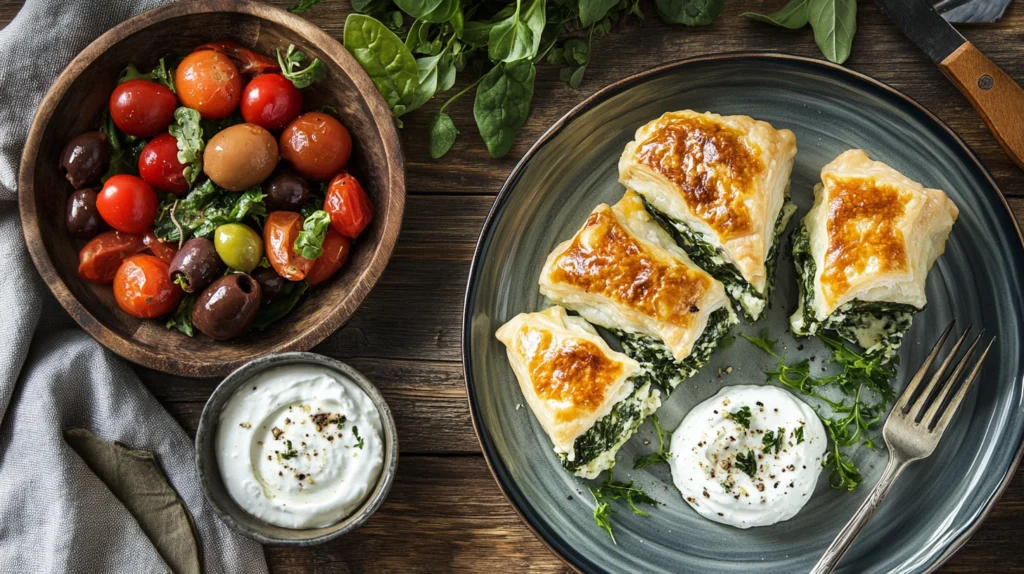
(642,462)
(603,514)
(442,134)
(303,6)
(740,417)
(161,74)
(291,67)
(793,15)
(747,462)
(187,130)
(763,342)
(182,317)
(385,58)
(204,209)
(592,11)
(614,490)
(310,240)
(834,23)
(282,304)
(772,440)
(510,39)
(689,12)
(502,104)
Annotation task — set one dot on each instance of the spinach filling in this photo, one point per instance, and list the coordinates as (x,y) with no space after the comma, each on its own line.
(611,431)
(660,368)
(713,260)
(877,326)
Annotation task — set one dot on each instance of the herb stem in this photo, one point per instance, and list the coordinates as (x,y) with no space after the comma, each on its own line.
(462,91)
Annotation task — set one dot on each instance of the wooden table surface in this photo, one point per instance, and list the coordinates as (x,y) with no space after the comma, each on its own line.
(445,511)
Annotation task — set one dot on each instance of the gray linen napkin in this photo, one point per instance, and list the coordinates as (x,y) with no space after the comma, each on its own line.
(55,514)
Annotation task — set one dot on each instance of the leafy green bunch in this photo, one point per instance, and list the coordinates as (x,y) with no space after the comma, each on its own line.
(500,42)
(834,23)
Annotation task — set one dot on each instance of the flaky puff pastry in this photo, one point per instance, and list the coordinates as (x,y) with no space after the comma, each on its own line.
(623,271)
(567,372)
(726,177)
(874,234)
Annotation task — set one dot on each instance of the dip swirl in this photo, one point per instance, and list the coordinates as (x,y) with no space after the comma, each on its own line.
(299,446)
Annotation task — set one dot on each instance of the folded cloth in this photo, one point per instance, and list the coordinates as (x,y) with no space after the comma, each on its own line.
(56,515)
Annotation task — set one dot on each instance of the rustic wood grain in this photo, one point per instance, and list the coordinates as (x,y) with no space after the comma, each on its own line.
(445,512)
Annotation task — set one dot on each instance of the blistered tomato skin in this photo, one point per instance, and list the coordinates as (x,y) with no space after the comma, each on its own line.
(143,289)
(271,101)
(316,145)
(240,156)
(336,249)
(142,108)
(348,205)
(279,234)
(159,165)
(208,82)
(99,260)
(127,203)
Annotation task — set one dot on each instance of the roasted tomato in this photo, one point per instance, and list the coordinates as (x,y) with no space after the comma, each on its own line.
(127,204)
(142,108)
(209,82)
(271,101)
(317,145)
(99,259)
(143,288)
(279,234)
(336,249)
(163,251)
(349,206)
(159,165)
(247,61)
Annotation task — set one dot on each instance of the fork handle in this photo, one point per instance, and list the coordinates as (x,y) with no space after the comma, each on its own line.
(860,518)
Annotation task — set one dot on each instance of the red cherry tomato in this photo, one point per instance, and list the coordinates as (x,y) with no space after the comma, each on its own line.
(209,82)
(279,233)
(271,101)
(348,205)
(317,145)
(142,108)
(127,204)
(163,251)
(99,259)
(143,288)
(247,61)
(336,249)
(159,165)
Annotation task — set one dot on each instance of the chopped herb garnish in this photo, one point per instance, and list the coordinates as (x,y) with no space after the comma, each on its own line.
(341,422)
(772,440)
(290,453)
(662,455)
(613,490)
(740,417)
(603,515)
(359,439)
(747,462)
(798,434)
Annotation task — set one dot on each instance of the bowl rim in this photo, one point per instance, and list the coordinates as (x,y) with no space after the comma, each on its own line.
(491,457)
(313,333)
(206,461)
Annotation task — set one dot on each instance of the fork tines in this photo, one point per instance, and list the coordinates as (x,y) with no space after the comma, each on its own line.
(935,396)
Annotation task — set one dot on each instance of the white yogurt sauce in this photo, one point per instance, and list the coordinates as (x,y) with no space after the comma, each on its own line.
(299,446)
(730,472)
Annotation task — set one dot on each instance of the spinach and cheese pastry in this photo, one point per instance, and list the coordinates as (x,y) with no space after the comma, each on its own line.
(624,272)
(864,250)
(589,398)
(722,183)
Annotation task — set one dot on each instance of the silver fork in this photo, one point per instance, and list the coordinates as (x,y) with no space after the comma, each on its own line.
(912,431)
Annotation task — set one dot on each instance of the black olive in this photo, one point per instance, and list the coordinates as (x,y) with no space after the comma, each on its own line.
(227,307)
(196,265)
(85,158)
(286,192)
(270,282)
(81,216)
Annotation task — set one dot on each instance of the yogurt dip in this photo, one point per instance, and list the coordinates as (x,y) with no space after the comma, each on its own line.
(299,446)
(749,456)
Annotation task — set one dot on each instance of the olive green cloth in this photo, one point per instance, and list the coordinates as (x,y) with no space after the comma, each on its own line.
(136,479)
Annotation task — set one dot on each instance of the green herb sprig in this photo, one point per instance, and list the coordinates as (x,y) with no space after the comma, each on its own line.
(359,439)
(661,456)
(772,440)
(290,453)
(834,23)
(291,64)
(740,417)
(614,490)
(309,243)
(747,462)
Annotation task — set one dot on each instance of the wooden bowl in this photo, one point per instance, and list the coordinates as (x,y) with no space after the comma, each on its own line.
(75,103)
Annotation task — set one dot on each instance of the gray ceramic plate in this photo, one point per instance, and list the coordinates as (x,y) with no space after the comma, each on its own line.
(935,505)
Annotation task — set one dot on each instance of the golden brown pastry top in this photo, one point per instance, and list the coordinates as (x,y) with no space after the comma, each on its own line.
(862,231)
(711,166)
(605,258)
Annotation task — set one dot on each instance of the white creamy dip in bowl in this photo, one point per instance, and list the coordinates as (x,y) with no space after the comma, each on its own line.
(296,449)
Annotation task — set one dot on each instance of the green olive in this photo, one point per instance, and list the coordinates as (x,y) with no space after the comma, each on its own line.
(239,246)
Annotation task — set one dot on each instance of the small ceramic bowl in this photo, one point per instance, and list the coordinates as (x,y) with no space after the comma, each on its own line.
(240,520)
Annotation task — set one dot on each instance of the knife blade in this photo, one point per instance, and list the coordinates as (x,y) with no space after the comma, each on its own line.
(923,25)
(972,11)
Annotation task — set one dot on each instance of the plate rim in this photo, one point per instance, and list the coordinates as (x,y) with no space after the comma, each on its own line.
(555,545)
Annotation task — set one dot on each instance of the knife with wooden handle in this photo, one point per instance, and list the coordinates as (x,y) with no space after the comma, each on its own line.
(995,96)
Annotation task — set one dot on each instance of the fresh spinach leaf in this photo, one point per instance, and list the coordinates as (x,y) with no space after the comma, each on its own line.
(433,11)
(189,133)
(442,134)
(182,317)
(834,23)
(291,67)
(477,34)
(535,18)
(385,58)
(510,39)
(793,15)
(592,11)
(503,103)
(394,20)
(282,304)
(310,240)
(427,74)
(303,6)
(689,12)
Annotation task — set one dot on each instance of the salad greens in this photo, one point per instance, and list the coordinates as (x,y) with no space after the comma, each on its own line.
(189,133)
(662,455)
(204,209)
(291,67)
(834,23)
(310,241)
(162,74)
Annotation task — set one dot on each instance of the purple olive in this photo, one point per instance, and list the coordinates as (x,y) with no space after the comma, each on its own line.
(85,158)
(81,216)
(196,265)
(270,282)
(227,307)
(286,192)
